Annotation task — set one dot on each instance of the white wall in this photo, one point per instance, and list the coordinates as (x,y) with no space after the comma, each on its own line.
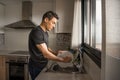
(13,13)
(12,10)
(39,8)
(111,40)
(18,39)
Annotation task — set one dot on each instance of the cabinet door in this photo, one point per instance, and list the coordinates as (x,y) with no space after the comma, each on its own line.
(64,9)
(2,16)
(2,68)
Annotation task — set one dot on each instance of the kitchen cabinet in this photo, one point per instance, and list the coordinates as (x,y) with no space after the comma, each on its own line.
(64,9)
(2,68)
(2,16)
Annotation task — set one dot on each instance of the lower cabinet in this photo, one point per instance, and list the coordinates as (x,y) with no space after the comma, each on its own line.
(2,68)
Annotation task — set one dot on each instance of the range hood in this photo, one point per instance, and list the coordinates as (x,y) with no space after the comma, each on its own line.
(26,22)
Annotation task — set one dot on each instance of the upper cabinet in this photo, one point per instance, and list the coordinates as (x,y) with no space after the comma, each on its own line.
(64,9)
(2,16)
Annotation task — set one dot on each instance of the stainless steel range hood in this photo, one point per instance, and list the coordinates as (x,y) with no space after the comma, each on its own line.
(26,22)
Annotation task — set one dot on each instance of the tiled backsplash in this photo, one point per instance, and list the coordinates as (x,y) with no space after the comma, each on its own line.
(63,41)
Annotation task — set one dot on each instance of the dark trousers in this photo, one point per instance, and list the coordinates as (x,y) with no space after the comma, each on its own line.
(35,68)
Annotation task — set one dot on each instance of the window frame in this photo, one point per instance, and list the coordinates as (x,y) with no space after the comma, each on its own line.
(89,48)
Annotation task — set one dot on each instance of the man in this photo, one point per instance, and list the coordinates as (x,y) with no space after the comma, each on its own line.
(38,45)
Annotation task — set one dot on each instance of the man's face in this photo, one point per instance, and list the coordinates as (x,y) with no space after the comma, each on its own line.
(50,24)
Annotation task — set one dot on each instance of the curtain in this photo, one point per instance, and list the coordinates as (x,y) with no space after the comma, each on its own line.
(76,31)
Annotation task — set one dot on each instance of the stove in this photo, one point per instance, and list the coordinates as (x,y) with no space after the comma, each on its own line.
(20,52)
(17,65)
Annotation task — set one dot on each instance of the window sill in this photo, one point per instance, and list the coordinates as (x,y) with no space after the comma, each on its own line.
(93,53)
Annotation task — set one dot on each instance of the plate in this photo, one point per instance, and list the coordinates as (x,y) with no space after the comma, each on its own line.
(64,54)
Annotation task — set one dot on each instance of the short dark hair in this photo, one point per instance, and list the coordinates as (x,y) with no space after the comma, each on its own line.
(50,15)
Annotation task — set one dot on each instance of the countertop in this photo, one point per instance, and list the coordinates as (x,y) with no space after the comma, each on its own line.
(13,53)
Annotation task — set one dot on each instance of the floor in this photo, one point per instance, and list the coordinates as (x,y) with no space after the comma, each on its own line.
(63,76)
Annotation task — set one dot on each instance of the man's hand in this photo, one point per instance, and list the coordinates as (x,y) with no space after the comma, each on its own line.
(65,55)
(67,59)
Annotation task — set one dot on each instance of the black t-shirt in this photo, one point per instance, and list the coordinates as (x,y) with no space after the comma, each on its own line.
(37,36)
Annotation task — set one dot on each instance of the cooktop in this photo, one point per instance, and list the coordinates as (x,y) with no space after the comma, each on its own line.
(20,52)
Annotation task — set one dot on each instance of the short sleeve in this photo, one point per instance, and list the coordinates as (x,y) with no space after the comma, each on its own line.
(38,37)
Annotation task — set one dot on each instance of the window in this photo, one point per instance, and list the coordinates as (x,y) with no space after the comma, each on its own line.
(92,23)
(98,36)
(87,22)
(92,29)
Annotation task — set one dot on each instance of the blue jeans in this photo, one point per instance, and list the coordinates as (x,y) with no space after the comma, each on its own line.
(35,68)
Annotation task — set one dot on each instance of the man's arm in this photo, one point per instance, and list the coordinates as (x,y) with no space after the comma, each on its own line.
(47,54)
(55,53)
